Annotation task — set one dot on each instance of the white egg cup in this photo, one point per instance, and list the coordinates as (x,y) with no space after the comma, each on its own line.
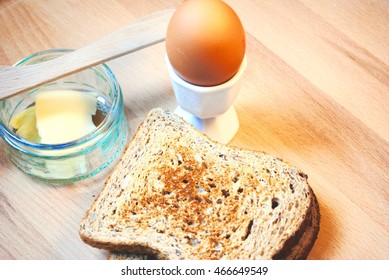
(209,109)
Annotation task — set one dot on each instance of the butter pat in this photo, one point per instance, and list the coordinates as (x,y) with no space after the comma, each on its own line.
(58,117)
(64,115)
(25,125)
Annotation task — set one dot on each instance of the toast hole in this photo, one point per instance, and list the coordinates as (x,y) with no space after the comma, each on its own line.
(228,236)
(191,224)
(248,231)
(225,193)
(201,190)
(179,159)
(194,242)
(188,167)
(165,192)
(291,187)
(240,190)
(212,185)
(275,202)
(185,181)
(218,246)
(223,156)
(235,179)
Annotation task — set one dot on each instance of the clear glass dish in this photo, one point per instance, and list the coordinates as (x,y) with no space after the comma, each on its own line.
(75,160)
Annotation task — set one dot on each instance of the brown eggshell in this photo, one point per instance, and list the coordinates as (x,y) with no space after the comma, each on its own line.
(205,42)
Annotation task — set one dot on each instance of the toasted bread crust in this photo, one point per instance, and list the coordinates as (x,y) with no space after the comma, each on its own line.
(176,194)
(299,245)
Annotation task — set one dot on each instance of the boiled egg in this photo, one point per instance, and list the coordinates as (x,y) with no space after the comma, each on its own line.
(205,42)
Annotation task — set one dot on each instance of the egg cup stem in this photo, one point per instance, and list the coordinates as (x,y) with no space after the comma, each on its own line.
(209,109)
(221,128)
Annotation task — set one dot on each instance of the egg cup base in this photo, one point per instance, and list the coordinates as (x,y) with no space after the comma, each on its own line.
(221,128)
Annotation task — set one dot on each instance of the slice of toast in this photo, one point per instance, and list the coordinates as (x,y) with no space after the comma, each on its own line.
(176,194)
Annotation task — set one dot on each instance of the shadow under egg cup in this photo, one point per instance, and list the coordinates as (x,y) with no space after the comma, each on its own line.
(209,109)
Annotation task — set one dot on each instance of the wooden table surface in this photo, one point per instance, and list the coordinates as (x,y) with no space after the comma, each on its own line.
(315,92)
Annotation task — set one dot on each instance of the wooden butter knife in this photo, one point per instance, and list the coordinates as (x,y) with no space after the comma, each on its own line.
(142,33)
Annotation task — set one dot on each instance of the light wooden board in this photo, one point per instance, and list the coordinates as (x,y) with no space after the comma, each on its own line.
(316,93)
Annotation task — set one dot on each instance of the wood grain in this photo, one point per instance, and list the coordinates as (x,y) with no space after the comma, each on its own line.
(315,92)
(142,33)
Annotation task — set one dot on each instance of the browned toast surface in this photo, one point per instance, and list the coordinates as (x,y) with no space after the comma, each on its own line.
(175,194)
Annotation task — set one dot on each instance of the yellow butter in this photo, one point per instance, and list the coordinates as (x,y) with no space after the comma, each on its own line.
(64,115)
(25,125)
(59,116)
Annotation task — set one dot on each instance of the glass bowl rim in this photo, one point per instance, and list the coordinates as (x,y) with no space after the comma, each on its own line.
(28,146)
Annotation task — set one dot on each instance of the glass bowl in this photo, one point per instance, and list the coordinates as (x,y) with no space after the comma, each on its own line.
(75,160)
